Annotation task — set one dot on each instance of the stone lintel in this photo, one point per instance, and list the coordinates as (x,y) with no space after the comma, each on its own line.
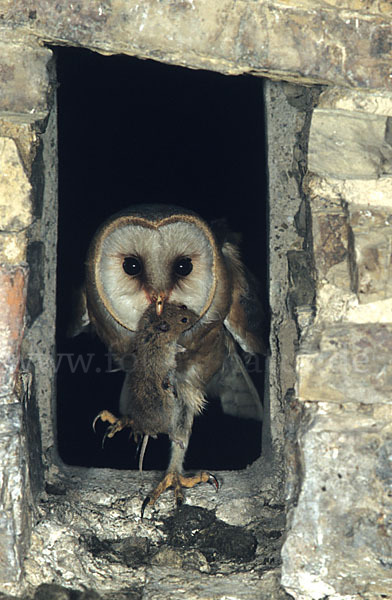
(344,43)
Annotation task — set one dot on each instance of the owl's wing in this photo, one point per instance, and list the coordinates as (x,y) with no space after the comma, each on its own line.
(245,324)
(80,320)
(235,388)
(246,319)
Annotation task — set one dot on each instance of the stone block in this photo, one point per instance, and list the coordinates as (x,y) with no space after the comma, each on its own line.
(349,145)
(331,243)
(371,312)
(330,232)
(90,535)
(23,62)
(372,192)
(12,302)
(339,541)
(372,232)
(15,513)
(25,136)
(362,192)
(358,101)
(352,364)
(350,134)
(15,204)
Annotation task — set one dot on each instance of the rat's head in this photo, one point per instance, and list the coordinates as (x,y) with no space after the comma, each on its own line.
(174,320)
(177,318)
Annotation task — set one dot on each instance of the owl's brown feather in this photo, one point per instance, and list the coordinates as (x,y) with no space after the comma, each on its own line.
(246,320)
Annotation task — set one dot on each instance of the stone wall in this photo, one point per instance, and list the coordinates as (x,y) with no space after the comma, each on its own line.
(328,390)
(28,213)
(339,540)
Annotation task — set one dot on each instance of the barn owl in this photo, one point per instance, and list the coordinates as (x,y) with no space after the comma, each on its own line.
(146,259)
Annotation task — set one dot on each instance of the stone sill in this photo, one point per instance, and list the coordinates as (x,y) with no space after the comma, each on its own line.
(90,535)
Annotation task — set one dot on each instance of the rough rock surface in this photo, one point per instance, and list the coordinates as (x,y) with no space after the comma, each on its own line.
(339,539)
(343,42)
(27,285)
(90,534)
(340,543)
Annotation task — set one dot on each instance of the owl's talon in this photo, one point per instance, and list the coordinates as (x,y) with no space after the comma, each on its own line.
(178,483)
(106,435)
(213,481)
(116,424)
(145,502)
(105,415)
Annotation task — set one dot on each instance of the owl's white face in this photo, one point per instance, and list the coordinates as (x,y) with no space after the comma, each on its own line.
(137,261)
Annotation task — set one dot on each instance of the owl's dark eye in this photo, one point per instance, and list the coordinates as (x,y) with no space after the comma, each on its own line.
(132,265)
(183,266)
(184,320)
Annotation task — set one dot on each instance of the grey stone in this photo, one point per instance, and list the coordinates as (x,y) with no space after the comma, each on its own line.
(331,243)
(92,536)
(344,43)
(38,349)
(352,365)
(15,499)
(85,595)
(372,240)
(286,129)
(181,559)
(349,145)
(301,277)
(339,541)
(24,60)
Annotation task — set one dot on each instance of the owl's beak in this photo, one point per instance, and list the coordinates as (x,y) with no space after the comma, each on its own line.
(159,303)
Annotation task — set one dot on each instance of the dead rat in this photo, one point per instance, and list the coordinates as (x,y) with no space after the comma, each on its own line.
(151,406)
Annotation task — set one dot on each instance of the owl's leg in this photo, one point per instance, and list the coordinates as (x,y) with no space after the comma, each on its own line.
(182,429)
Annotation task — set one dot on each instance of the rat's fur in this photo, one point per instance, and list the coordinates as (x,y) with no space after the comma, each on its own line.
(153,405)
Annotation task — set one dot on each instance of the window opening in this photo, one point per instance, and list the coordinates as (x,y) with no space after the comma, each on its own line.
(134,131)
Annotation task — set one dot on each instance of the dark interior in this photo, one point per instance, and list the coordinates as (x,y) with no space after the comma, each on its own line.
(133,131)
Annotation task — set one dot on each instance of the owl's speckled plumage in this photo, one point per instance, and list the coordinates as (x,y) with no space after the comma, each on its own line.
(159,255)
